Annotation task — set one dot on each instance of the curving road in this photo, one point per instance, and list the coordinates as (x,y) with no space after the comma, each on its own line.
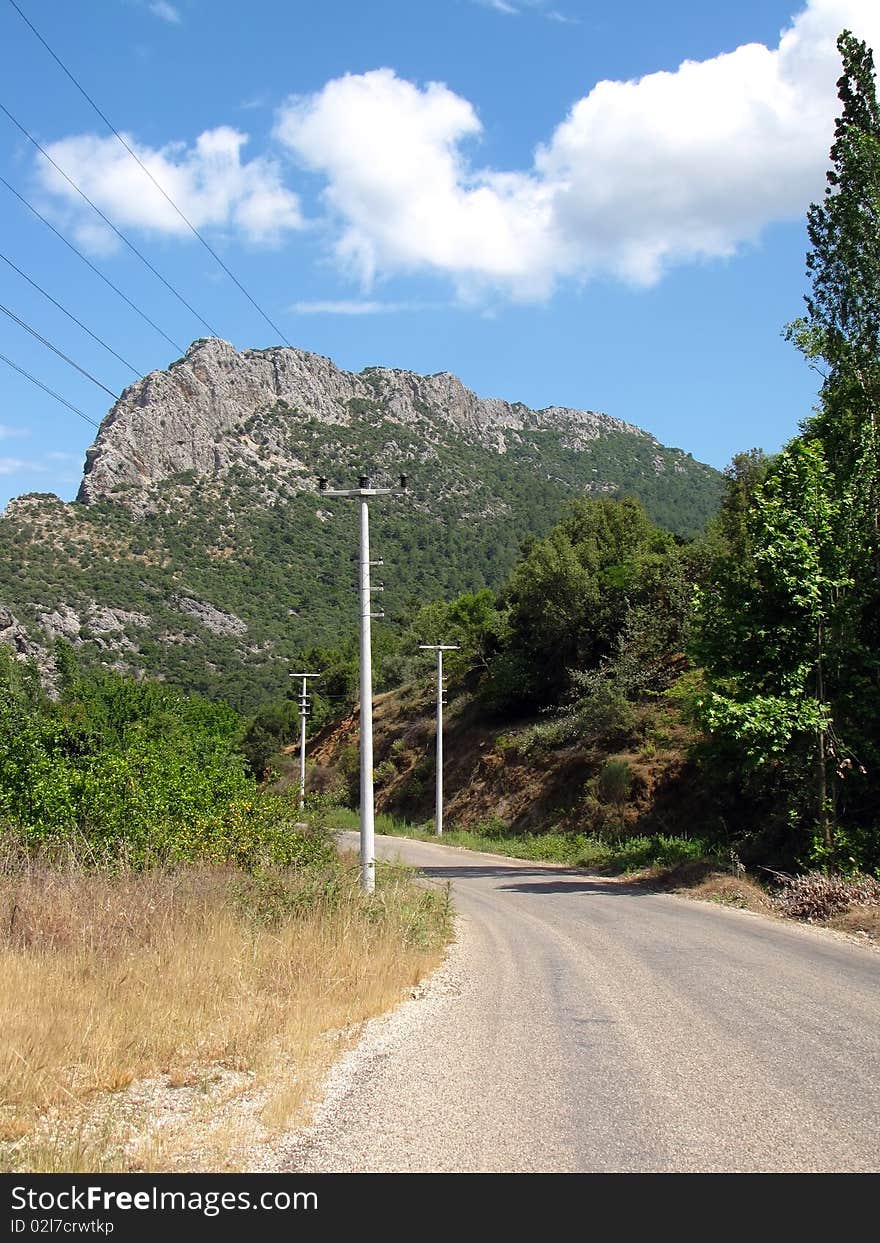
(583,1025)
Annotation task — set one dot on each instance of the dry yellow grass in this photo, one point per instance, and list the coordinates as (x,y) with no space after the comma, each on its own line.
(107,980)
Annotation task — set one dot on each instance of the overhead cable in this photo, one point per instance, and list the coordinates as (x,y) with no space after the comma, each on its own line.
(39,383)
(55,350)
(180,349)
(69,314)
(109,223)
(158,186)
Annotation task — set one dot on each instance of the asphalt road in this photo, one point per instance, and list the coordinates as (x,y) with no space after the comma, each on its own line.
(582,1025)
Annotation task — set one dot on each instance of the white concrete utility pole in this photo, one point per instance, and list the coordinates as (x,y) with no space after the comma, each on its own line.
(364,491)
(304,713)
(439,648)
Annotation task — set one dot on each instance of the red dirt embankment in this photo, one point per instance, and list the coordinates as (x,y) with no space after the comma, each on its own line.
(497,770)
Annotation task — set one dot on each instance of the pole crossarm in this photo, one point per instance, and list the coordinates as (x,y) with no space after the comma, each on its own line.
(304,714)
(357,491)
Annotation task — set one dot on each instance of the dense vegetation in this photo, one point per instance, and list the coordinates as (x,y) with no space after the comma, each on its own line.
(789,623)
(134,772)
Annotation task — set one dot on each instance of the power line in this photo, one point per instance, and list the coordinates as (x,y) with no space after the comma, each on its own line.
(161,190)
(131,246)
(180,349)
(55,350)
(69,314)
(39,383)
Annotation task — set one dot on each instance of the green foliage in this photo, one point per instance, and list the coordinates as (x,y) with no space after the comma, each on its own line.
(472,620)
(615,782)
(763,647)
(787,624)
(118,768)
(605,583)
(787,627)
(633,854)
(601,717)
(843,309)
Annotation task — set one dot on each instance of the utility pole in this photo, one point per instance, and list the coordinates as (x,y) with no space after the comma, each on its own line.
(304,713)
(439,648)
(364,491)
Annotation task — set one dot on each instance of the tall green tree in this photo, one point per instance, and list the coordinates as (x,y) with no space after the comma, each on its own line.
(769,645)
(789,627)
(842,328)
(604,575)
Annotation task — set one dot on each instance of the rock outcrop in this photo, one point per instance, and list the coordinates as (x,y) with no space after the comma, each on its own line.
(192,417)
(211,618)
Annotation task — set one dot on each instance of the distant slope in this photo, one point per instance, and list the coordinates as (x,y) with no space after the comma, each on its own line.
(199,550)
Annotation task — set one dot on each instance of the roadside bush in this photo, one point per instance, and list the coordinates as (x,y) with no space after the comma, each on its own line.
(607,717)
(636,853)
(604,718)
(614,786)
(493,828)
(615,781)
(325,780)
(384,772)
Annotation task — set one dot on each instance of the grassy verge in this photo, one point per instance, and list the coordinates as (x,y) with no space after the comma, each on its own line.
(612,858)
(687,866)
(178,979)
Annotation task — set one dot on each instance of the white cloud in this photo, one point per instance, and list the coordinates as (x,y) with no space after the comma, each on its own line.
(641,175)
(400,186)
(500,6)
(209,181)
(7,432)
(357,308)
(167,12)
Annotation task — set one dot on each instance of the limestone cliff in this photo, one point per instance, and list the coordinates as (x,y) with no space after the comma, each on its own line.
(192,417)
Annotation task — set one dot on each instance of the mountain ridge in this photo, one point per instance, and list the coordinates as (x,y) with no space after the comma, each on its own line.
(199,549)
(214,389)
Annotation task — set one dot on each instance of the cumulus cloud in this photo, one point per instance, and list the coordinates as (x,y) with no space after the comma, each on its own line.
(398,182)
(209,181)
(670,168)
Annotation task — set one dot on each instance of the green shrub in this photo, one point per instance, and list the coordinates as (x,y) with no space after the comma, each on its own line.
(385,772)
(135,771)
(606,717)
(615,782)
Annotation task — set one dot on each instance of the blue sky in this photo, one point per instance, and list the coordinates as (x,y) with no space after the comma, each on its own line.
(566,203)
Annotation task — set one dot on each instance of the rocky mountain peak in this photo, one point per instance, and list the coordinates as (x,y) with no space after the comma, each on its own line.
(191,417)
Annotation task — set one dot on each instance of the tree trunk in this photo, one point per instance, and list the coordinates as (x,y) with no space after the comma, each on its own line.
(822,765)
